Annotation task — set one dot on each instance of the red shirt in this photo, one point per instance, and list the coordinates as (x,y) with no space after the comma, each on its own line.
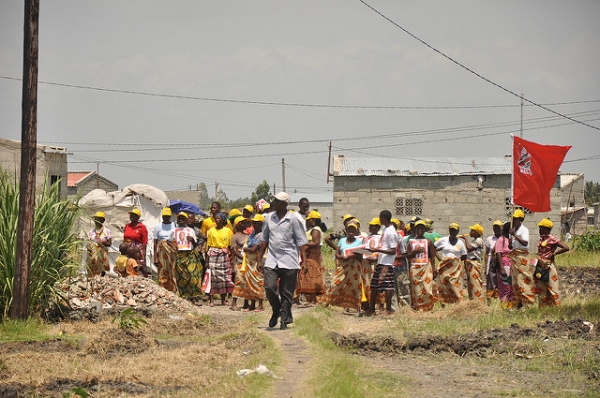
(547,246)
(139,233)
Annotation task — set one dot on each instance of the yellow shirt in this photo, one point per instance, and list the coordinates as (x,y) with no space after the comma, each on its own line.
(219,238)
(209,223)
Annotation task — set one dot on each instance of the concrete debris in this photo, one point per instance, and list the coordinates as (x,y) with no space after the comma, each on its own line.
(88,297)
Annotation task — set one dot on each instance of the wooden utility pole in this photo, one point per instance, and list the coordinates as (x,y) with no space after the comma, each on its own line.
(283,173)
(20,302)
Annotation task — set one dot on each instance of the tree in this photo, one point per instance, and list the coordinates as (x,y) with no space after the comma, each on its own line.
(204,200)
(263,191)
(592,192)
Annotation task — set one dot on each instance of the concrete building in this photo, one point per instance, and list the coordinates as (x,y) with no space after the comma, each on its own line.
(51,163)
(446,190)
(573,209)
(321,202)
(80,183)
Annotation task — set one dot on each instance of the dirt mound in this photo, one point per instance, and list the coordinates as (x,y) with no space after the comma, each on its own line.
(579,281)
(480,343)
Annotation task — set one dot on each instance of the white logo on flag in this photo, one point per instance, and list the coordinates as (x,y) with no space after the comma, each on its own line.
(524,162)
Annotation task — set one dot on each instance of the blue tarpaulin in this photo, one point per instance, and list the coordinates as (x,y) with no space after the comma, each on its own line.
(179,205)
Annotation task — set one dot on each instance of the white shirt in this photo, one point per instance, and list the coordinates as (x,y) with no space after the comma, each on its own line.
(448,250)
(522,233)
(389,240)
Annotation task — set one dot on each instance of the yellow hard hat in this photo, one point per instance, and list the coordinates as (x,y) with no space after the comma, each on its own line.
(454,226)
(519,214)
(238,220)
(100,214)
(375,221)
(313,215)
(477,228)
(136,211)
(166,212)
(545,223)
(258,218)
(235,212)
(249,208)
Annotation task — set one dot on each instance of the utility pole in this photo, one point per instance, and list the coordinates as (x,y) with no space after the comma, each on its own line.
(283,173)
(216,190)
(19,308)
(521,135)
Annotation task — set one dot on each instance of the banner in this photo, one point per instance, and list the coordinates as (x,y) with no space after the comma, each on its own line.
(535,167)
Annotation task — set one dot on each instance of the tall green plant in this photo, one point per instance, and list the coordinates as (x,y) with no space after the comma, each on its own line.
(53,243)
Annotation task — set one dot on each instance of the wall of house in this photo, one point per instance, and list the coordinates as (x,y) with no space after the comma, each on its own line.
(51,163)
(93,182)
(444,199)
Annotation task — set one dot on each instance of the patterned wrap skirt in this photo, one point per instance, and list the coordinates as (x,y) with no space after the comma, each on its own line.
(311,278)
(249,281)
(166,253)
(474,282)
(189,273)
(346,286)
(97,258)
(522,277)
(549,292)
(450,281)
(422,293)
(220,271)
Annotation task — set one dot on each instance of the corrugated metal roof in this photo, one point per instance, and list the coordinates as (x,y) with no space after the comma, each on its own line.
(344,166)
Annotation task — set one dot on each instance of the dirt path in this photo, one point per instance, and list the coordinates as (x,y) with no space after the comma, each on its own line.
(297,361)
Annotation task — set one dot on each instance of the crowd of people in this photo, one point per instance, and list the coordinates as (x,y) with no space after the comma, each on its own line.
(269,251)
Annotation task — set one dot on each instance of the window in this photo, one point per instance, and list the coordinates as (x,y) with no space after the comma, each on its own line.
(409,207)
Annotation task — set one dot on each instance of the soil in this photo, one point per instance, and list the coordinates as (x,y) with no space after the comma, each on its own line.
(486,364)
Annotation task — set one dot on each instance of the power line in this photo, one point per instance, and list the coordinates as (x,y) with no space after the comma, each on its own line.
(294,104)
(475,73)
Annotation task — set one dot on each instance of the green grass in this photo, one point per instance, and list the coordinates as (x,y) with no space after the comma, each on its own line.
(29,330)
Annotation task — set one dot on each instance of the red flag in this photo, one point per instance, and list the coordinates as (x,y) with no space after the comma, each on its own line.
(535,167)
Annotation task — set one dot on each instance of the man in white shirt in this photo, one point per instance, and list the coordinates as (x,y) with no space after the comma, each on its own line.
(285,238)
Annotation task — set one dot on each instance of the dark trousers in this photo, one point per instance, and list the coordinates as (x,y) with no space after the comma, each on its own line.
(280,284)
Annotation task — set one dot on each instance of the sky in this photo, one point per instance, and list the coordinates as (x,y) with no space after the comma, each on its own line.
(181,92)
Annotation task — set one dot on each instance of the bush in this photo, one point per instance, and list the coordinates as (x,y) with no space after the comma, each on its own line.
(53,242)
(589,242)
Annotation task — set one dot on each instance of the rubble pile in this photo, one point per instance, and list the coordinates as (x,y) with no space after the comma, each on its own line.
(89,297)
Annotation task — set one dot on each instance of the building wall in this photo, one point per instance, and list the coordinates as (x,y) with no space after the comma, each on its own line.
(444,199)
(51,163)
(93,182)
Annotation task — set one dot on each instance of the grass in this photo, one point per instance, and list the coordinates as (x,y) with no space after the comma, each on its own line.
(578,258)
(337,373)
(29,330)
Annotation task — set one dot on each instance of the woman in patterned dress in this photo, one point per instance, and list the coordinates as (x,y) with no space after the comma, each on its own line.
(165,251)
(218,261)
(421,257)
(450,279)
(346,286)
(311,278)
(548,247)
(188,266)
(97,247)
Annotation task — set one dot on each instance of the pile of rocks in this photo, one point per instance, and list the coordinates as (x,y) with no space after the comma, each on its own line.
(89,297)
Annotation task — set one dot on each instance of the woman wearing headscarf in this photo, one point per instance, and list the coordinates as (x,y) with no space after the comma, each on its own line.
(473,262)
(165,251)
(188,266)
(100,239)
(311,278)
(136,234)
(546,280)
(217,261)
(421,255)
(450,278)
(346,286)
(502,251)
(252,287)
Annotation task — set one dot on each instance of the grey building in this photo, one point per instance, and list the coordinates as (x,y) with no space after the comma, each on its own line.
(446,190)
